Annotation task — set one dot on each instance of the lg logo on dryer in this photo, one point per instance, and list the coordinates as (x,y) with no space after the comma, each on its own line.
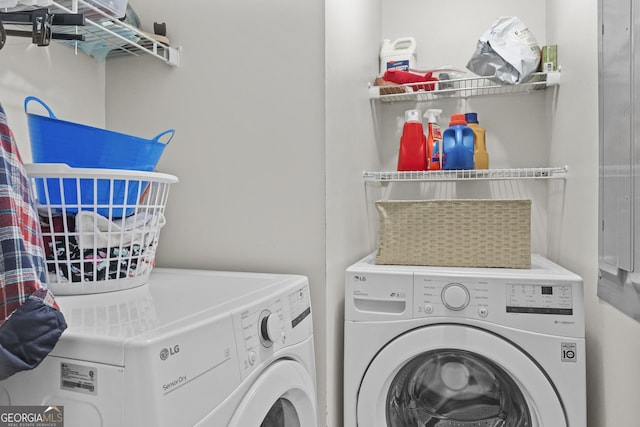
(166,352)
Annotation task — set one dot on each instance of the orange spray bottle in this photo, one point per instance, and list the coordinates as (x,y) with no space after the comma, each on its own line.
(434,139)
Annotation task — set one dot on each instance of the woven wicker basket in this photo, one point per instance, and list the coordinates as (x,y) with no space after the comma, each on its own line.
(455,233)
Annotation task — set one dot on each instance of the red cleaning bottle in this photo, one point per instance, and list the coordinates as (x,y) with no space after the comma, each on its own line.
(413,143)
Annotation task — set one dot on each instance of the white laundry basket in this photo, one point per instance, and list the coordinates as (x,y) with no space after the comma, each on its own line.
(100,227)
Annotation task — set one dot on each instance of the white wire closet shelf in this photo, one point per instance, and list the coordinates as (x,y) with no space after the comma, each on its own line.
(468,175)
(460,88)
(125,39)
(106,36)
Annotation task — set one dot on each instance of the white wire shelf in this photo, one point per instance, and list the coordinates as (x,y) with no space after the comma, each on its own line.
(460,88)
(107,32)
(106,36)
(467,175)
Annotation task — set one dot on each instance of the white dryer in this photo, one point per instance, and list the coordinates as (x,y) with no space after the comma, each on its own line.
(444,347)
(189,348)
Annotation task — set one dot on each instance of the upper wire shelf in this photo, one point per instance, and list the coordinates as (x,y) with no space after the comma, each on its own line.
(468,175)
(106,36)
(460,88)
(118,37)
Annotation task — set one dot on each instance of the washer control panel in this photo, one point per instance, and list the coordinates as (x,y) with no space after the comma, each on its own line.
(440,296)
(539,299)
(545,298)
(477,298)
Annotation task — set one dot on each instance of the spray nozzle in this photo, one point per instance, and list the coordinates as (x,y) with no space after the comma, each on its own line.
(432,115)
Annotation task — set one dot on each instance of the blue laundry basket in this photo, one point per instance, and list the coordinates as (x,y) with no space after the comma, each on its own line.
(81,146)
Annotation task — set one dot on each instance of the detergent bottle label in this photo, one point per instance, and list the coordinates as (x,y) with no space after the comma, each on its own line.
(437,133)
(402,64)
(435,157)
(435,143)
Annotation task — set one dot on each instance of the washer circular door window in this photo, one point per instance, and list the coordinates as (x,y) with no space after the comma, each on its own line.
(455,375)
(282,396)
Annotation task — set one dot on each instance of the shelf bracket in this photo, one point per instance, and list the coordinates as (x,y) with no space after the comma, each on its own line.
(42,22)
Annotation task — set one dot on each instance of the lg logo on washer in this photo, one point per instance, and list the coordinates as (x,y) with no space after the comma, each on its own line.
(569,351)
(166,352)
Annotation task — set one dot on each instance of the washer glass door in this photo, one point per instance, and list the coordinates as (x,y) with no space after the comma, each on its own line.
(456,375)
(455,387)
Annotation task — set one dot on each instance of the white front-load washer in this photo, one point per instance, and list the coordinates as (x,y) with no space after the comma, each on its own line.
(444,347)
(190,347)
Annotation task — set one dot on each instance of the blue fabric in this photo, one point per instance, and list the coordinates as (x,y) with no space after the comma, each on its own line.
(28,335)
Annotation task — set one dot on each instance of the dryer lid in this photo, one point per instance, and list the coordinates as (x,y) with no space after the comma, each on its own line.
(102,325)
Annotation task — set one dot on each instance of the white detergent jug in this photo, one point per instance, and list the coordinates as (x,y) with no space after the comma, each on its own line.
(399,54)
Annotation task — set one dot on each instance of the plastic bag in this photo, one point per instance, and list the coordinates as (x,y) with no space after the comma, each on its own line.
(507,52)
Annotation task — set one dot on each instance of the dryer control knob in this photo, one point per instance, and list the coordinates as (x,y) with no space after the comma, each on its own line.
(271,328)
(455,296)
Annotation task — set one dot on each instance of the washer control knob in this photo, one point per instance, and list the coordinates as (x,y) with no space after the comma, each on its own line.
(455,296)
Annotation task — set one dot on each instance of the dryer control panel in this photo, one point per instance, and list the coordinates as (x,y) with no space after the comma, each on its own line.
(264,329)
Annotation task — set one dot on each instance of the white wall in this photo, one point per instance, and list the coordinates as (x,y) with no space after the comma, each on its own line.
(269,183)
(247,103)
(248,106)
(613,339)
(351,61)
(71,85)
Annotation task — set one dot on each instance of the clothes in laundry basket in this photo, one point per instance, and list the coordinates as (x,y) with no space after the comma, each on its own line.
(89,247)
(30,321)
